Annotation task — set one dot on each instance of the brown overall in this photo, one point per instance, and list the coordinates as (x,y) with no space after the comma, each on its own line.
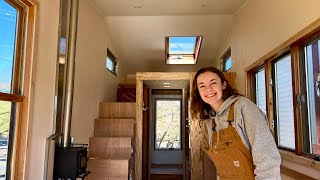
(230,156)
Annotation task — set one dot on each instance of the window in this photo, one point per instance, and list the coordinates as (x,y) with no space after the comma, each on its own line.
(168,124)
(260,90)
(293,94)
(111,62)
(226,61)
(15,38)
(284,115)
(312,106)
(182,49)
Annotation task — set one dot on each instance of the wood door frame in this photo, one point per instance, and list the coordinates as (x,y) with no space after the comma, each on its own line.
(140,77)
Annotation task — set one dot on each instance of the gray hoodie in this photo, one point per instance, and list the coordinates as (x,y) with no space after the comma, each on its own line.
(252,126)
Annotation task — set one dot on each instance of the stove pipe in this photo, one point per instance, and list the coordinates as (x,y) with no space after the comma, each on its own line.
(70,60)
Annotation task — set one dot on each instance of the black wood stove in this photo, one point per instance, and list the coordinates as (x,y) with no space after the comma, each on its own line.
(70,162)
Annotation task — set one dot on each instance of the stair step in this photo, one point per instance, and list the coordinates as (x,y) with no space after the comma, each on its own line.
(114,127)
(117,110)
(105,169)
(110,148)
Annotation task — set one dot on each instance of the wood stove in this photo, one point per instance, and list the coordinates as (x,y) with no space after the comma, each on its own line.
(70,162)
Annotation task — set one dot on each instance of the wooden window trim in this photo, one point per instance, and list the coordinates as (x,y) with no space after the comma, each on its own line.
(293,45)
(10,97)
(21,91)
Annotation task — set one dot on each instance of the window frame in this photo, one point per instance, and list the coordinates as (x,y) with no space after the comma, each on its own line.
(275,123)
(194,56)
(225,57)
(114,61)
(293,46)
(254,85)
(21,85)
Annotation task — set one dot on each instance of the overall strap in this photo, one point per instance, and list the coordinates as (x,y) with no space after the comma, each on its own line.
(231,114)
(230,117)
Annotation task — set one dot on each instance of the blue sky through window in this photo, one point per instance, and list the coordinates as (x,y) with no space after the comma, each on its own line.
(182,45)
(8,16)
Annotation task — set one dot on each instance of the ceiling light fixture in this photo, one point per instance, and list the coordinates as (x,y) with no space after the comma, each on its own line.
(166,83)
(166,86)
(137,6)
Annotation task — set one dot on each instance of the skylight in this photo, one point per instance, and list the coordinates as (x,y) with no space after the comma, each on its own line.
(182,49)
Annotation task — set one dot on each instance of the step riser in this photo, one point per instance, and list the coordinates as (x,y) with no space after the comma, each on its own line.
(114,127)
(102,169)
(111,148)
(117,110)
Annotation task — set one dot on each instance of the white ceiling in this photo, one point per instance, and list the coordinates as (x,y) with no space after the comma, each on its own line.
(139,33)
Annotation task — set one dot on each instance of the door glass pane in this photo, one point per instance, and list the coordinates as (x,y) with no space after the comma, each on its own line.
(5,112)
(312,52)
(284,103)
(8,22)
(261,90)
(168,124)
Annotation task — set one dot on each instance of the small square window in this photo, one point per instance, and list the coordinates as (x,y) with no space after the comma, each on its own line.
(182,49)
(111,62)
(227,61)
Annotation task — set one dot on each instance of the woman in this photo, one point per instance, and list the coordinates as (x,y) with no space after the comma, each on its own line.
(241,144)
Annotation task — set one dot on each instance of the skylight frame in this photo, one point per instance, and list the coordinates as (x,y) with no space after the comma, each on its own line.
(182,58)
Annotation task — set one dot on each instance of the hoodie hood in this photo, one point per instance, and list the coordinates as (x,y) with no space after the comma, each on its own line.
(224,106)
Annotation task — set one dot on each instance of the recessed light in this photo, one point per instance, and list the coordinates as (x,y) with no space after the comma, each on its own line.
(166,83)
(137,6)
(166,86)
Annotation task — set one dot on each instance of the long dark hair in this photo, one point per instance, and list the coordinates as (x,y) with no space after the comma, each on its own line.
(199,108)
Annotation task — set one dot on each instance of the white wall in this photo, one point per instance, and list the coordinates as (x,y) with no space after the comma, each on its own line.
(43,82)
(93,82)
(261,26)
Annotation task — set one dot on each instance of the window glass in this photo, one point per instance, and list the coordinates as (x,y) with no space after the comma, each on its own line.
(168,124)
(228,64)
(182,49)
(5,112)
(312,62)
(182,45)
(8,20)
(111,62)
(260,90)
(284,102)
(226,60)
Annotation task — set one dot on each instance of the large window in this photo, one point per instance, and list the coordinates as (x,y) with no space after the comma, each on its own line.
(292,94)
(8,23)
(15,80)
(182,49)
(168,124)
(312,84)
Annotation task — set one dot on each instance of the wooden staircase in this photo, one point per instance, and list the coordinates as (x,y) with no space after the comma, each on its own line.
(110,150)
